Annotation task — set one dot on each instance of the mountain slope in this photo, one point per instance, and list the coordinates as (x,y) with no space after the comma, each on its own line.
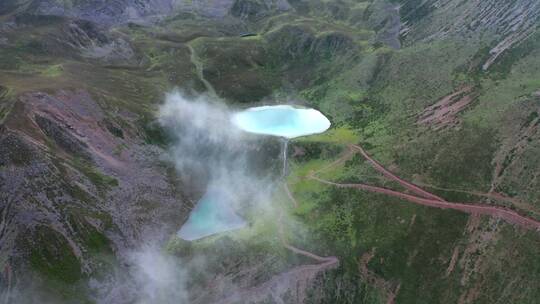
(444,94)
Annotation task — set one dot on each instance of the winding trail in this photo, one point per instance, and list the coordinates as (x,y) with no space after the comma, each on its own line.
(331,259)
(490,195)
(494,211)
(290,195)
(295,204)
(427,198)
(284,148)
(343,158)
(294,281)
(412,187)
(200,70)
(424,198)
(297,279)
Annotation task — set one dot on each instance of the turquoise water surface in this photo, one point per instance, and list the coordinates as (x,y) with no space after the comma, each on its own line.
(213,214)
(282,120)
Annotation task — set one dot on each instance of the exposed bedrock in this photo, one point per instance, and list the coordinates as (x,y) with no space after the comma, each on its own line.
(503,23)
(73,188)
(145,11)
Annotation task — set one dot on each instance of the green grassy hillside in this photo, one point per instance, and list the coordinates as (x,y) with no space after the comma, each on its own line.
(434,101)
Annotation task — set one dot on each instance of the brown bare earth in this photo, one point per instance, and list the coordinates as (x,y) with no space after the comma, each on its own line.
(444,113)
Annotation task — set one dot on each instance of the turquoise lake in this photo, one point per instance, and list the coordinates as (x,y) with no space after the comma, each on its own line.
(212,214)
(281,120)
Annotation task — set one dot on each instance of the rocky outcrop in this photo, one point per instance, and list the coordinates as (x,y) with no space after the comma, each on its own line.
(73,190)
(445,112)
(256,9)
(302,45)
(91,41)
(62,36)
(384,17)
(206,8)
(110,12)
(143,11)
(503,23)
(62,138)
(517,151)
(107,12)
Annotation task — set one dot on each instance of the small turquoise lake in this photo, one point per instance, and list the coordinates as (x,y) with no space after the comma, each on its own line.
(281,120)
(212,214)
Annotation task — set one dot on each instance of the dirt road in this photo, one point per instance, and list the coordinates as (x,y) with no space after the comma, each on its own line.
(412,187)
(426,198)
(499,212)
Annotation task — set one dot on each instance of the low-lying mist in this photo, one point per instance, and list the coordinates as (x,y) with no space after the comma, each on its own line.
(208,151)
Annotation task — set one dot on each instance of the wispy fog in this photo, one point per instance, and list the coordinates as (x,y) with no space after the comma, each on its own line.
(150,275)
(161,277)
(208,151)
